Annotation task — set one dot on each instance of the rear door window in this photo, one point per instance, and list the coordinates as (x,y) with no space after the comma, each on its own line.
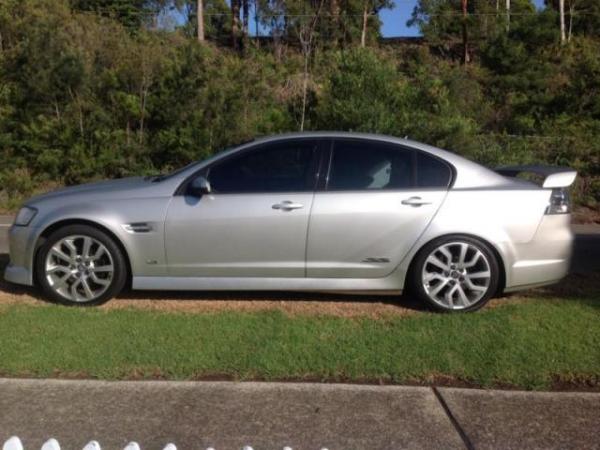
(358,165)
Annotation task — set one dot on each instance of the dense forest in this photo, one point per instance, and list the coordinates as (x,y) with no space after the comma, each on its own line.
(109,88)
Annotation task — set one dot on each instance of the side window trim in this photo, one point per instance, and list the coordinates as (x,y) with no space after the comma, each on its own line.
(205,171)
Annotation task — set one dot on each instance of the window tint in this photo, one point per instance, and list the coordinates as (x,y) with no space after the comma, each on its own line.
(431,172)
(364,165)
(281,167)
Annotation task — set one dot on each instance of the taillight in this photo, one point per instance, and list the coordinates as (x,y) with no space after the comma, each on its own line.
(559,202)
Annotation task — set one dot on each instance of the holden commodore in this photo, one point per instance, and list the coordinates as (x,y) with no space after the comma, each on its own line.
(304,212)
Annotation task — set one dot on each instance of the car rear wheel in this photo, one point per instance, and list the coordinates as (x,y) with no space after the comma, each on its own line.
(455,273)
(80,265)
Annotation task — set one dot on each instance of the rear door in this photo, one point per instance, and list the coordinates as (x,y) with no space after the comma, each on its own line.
(254,222)
(377,200)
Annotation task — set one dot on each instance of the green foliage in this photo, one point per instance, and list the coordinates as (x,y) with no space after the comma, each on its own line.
(86,94)
(131,13)
(364,93)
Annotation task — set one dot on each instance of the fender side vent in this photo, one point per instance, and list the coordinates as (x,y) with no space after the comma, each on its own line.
(138,227)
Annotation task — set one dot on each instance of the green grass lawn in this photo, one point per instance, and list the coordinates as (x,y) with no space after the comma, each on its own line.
(526,344)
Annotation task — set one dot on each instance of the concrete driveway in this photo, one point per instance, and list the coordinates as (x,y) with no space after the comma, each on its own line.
(225,415)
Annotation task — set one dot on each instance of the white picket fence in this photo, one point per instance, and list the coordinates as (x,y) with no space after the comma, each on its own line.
(14,443)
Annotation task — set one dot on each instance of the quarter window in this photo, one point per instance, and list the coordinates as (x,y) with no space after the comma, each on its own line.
(365,165)
(280,167)
(432,172)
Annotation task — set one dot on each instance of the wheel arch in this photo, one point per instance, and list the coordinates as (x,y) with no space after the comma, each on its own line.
(66,222)
(492,247)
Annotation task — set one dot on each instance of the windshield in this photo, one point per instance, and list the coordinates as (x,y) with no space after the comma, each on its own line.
(162,177)
(176,172)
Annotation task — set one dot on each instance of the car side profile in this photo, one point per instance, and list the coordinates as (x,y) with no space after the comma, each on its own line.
(321,211)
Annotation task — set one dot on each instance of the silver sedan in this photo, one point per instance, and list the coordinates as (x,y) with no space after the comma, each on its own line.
(305,212)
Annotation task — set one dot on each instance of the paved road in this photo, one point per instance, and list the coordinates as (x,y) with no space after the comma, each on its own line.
(586,257)
(224,415)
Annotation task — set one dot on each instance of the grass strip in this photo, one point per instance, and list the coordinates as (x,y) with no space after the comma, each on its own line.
(524,345)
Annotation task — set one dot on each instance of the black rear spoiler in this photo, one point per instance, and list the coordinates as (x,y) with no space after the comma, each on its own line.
(554,177)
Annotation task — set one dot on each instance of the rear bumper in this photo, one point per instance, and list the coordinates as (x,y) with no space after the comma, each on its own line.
(546,258)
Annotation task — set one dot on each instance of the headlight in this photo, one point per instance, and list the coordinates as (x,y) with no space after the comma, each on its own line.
(25,215)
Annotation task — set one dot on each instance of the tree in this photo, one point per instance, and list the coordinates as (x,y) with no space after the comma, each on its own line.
(245,20)
(465,33)
(364,92)
(561,9)
(235,24)
(584,16)
(200,19)
(454,26)
(370,9)
(306,35)
(84,94)
(131,13)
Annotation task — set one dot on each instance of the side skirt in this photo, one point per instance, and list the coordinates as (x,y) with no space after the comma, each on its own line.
(393,284)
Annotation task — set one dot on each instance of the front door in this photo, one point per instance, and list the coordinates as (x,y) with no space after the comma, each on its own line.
(378,200)
(254,222)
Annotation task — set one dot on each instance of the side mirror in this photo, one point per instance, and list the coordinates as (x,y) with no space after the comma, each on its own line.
(199,187)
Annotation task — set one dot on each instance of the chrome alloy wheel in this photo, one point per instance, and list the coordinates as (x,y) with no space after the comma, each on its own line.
(79,268)
(456,275)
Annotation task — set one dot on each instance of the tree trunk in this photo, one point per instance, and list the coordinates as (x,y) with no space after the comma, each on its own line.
(245,18)
(571,12)
(334,10)
(200,19)
(143,98)
(507,16)
(465,33)
(363,35)
(235,23)
(304,90)
(561,8)
(256,23)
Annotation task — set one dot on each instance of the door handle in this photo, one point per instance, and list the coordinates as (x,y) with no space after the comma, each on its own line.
(287,205)
(415,201)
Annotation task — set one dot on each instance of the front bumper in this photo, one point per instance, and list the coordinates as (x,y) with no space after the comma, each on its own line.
(21,242)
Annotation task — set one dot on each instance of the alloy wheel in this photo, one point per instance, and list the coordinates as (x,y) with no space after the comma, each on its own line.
(79,268)
(456,275)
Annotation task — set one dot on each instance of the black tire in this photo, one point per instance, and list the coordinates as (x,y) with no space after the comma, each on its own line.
(416,284)
(119,274)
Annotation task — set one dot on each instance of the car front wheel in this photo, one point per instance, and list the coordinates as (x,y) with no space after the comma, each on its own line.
(455,273)
(80,265)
